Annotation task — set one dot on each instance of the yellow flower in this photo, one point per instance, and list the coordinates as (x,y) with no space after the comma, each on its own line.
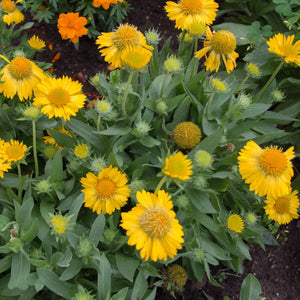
(221,44)
(59,223)
(20,76)
(135,57)
(268,171)
(106,192)
(36,43)
(219,86)
(81,151)
(284,47)
(71,26)
(178,166)
(253,70)
(60,97)
(187,135)
(4,167)
(235,223)
(197,28)
(151,226)
(49,139)
(104,3)
(283,208)
(113,44)
(12,151)
(13,13)
(188,12)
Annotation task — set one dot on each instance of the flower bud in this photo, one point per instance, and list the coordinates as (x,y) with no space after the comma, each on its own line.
(199,255)
(203,159)
(32,113)
(44,186)
(98,164)
(152,37)
(253,70)
(162,107)
(182,201)
(50,151)
(172,64)
(142,128)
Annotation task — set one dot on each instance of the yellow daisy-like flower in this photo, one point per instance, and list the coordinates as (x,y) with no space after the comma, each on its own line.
(235,223)
(13,13)
(135,57)
(188,12)
(71,26)
(284,47)
(81,151)
(151,226)
(221,44)
(113,44)
(178,166)
(20,76)
(104,3)
(60,97)
(36,43)
(268,171)
(49,139)
(283,208)
(12,151)
(4,167)
(106,192)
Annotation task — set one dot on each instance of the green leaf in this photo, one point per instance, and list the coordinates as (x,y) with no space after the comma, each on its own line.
(23,216)
(254,110)
(104,278)
(115,130)
(5,263)
(250,289)
(20,268)
(73,269)
(97,229)
(62,139)
(121,295)
(55,167)
(53,283)
(127,266)
(140,286)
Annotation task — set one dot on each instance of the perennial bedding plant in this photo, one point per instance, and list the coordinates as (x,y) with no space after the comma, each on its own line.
(173,170)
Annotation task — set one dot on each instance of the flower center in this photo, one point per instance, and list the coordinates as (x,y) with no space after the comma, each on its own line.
(177,168)
(59,96)
(156,222)
(105,188)
(223,42)
(8,6)
(126,35)
(191,6)
(20,68)
(273,161)
(282,205)
(291,51)
(14,152)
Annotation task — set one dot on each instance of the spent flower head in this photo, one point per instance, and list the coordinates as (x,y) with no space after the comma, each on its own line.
(187,135)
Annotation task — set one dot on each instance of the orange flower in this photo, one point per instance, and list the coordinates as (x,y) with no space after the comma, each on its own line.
(105,3)
(71,26)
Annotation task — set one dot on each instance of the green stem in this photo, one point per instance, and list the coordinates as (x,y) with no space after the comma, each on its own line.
(163,86)
(209,102)
(241,84)
(20,182)
(262,91)
(98,122)
(126,93)
(181,43)
(35,150)
(160,184)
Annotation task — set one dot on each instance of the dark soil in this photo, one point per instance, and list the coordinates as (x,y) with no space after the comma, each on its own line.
(277,268)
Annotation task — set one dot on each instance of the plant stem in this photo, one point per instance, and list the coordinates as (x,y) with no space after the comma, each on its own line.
(209,102)
(35,150)
(20,182)
(241,84)
(262,91)
(126,93)
(163,86)
(160,184)
(98,122)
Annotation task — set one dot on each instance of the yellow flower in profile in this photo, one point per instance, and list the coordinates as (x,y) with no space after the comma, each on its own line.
(4,167)
(188,12)
(268,171)
(20,76)
(221,44)
(284,47)
(151,226)
(219,86)
(104,3)
(81,151)
(135,57)
(36,43)
(113,44)
(283,208)
(106,192)
(13,14)
(178,166)
(71,26)
(12,151)
(49,139)
(59,97)
(235,223)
